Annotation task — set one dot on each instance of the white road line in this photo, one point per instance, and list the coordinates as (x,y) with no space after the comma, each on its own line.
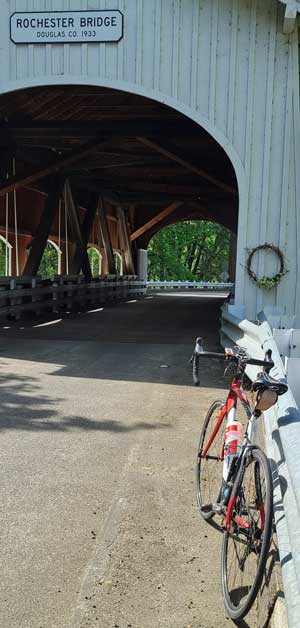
(58,320)
(97,568)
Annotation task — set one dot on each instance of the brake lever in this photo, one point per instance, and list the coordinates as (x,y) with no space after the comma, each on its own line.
(198,349)
(268,358)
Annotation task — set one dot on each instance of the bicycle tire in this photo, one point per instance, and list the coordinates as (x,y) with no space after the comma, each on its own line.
(202,477)
(239,600)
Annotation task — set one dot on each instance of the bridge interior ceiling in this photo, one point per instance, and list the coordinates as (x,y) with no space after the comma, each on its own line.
(138,153)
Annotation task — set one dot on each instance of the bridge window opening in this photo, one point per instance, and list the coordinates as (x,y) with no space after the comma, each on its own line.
(5,257)
(119,263)
(191,250)
(51,260)
(95,259)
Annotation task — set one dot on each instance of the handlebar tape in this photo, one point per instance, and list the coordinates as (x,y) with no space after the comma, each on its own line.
(251,361)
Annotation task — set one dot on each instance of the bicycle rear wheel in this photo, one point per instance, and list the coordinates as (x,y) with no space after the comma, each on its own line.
(209,469)
(246,546)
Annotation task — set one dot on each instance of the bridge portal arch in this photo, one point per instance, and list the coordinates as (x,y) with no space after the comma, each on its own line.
(212,128)
(161,164)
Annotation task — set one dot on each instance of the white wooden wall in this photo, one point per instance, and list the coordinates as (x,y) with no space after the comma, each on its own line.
(224,63)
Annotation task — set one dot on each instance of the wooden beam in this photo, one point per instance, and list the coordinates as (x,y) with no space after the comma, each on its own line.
(166,188)
(59,164)
(119,189)
(7,152)
(125,242)
(186,164)
(203,213)
(103,224)
(154,127)
(116,195)
(81,250)
(158,218)
(40,240)
(189,214)
(81,256)
(81,183)
(132,216)
(124,164)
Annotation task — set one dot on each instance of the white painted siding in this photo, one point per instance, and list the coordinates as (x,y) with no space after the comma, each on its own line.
(226,64)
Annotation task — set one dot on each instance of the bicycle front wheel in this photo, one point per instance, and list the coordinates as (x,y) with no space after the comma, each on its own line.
(209,467)
(246,546)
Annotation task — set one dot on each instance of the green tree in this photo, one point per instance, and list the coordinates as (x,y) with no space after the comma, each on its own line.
(49,262)
(95,261)
(2,258)
(118,263)
(189,251)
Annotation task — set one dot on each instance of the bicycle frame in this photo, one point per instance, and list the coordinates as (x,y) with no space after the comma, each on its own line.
(229,409)
(236,393)
(233,476)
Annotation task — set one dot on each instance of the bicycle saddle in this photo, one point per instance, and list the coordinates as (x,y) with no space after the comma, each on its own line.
(266,382)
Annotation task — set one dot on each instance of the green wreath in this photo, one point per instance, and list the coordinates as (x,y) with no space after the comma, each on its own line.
(267,282)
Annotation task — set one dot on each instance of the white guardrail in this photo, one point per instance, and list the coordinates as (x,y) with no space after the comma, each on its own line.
(206,285)
(282,433)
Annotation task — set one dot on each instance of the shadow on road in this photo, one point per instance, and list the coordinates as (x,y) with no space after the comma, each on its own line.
(23,408)
(141,341)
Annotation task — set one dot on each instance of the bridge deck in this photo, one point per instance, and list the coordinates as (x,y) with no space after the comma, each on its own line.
(98,518)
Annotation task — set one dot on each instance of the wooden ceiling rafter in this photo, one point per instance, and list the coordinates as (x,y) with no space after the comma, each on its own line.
(186,164)
(156,219)
(190,213)
(69,129)
(17,182)
(172,221)
(149,159)
(138,196)
(158,187)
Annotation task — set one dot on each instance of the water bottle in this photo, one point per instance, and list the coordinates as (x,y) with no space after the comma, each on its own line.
(233,441)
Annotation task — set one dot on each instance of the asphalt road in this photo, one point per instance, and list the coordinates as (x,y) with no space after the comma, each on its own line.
(99,428)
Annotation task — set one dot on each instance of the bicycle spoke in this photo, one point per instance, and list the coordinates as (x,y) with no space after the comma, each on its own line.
(210,468)
(242,561)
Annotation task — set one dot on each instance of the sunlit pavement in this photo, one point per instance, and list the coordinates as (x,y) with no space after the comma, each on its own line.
(99,429)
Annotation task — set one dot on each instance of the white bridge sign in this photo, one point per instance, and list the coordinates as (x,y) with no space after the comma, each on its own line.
(66,27)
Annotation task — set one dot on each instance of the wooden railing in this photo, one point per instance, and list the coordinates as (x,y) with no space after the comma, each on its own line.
(37,294)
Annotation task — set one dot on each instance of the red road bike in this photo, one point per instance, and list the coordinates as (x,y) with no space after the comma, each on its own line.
(235,483)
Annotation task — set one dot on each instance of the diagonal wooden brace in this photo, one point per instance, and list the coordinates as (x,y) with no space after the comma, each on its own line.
(106,238)
(125,242)
(81,258)
(40,240)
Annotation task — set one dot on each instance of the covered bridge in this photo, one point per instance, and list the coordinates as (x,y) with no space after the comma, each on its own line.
(117,121)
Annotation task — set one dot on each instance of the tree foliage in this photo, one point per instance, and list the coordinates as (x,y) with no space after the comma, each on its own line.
(49,262)
(118,263)
(2,258)
(189,251)
(95,261)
